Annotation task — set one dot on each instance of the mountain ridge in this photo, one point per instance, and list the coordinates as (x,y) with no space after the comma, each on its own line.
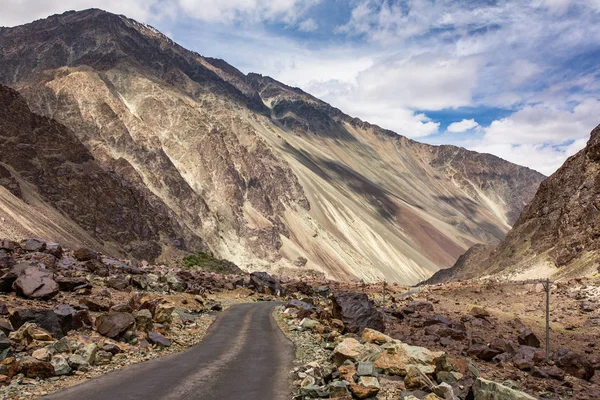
(264,173)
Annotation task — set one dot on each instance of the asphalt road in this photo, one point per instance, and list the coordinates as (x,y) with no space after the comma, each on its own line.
(243,357)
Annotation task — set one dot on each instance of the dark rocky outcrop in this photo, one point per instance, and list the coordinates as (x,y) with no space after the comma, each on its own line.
(357,312)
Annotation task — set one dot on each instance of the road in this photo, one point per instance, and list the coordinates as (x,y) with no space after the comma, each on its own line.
(244,356)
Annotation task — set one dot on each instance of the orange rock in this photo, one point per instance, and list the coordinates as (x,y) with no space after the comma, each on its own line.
(347,372)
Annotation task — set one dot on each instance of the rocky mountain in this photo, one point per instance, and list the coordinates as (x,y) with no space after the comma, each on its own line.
(207,158)
(556,234)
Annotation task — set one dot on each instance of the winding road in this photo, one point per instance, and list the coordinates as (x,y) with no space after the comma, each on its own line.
(244,356)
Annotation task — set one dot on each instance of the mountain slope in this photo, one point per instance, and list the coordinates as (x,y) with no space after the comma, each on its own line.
(265,174)
(557,233)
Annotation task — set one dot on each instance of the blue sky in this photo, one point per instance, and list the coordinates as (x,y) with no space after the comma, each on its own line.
(519,79)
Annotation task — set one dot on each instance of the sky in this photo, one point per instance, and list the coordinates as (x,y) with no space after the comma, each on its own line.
(516,78)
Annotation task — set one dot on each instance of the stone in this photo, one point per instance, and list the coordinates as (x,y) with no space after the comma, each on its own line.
(103,357)
(158,339)
(36,283)
(366,387)
(4,342)
(347,349)
(111,348)
(479,312)
(118,282)
(95,305)
(114,324)
(488,390)
(338,389)
(78,363)
(415,379)
(365,368)
(55,249)
(573,364)
(61,365)
(308,324)
(28,333)
(264,283)
(164,313)
(372,336)
(398,356)
(357,312)
(34,245)
(143,320)
(85,254)
(33,368)
(444,391)
(347,372)
(42,354)
(62,346)
(89,353)
(418,306)
(96,267)
(528,338)
(482,352)
(68,284)
(122,307)
(58,321)
(6,261)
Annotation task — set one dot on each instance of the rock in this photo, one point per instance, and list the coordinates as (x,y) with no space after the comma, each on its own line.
(398,356)
(95,305)
(114,324)
(89,353)
(34,245)
(488,390)
(347,372)
(415,379)
(34,368)
(158,339)
(357,312)
(61,365)
(55,249)
(5,326)
(42,354)
(28,333)
(365,368)
(300,262)
(36,283)
(78,363)
(418,306)
(308,324)
(6,261)
(97,267)
(118,282)
(372,336)
(444,391)
(103,357)
(85,254)
(143,320)
(347,349)
(122,307)
(338,389)
(62,346)
(58,322)
(366,387)
(111,348)
(523,358)
(479,312)
(573,364)
(4,342)
(163,313)
(68,284)
(482,352)
(528,338)
(301,305)
(265,283)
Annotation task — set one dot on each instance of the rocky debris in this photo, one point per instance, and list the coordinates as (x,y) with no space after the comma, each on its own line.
(85,254)
(34,245)
(114,324)
(33,368)
(58,321)
(488,390)
(35,282)
(574,364)
(158,339)
(357,312)
(264,283)
(528,338)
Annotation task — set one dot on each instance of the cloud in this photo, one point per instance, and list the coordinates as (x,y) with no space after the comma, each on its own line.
(308,25)
(229,11)
(462,126)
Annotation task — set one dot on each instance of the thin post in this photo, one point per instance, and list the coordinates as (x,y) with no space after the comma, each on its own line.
(384,284)
(547,287)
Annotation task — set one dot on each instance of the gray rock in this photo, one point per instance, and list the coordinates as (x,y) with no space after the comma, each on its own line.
(79,363)
(158,339)
(143,320)
(34,245)
(61,365)
(365,368)
(4,342)
(114,324)
(488,390)
(36,283)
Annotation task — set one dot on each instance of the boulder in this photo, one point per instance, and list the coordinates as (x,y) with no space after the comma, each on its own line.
(158,339)
(78,363)
(367,386)
(482,352)
(415,379)
(95,305)
(574,364)
(418,306)
(61,365)
(479,312)
(265,283)
(357,312)
(103,357)
(143,320)
(33,368)
(36,283)
(6,261)
(85,254)
(57,322)
(67,284)
(528,338)
(397,357)
(488,390)
(114,324)
(372,336)
(34,245)
(347,349)
(55,249)
(163,313)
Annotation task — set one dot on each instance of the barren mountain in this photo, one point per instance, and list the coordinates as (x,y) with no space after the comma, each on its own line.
(253,170)
(556,234)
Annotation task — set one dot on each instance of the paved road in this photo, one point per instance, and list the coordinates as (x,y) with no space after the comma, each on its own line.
(243,357)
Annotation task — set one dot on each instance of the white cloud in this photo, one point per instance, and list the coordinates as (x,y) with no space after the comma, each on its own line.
(228,11)
(462,126)
(308,25)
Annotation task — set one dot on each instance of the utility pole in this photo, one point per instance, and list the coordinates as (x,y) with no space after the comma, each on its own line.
(547,287)
(384,285)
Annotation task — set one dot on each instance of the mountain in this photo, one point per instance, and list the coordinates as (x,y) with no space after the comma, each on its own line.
(255,171)
(557,234)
